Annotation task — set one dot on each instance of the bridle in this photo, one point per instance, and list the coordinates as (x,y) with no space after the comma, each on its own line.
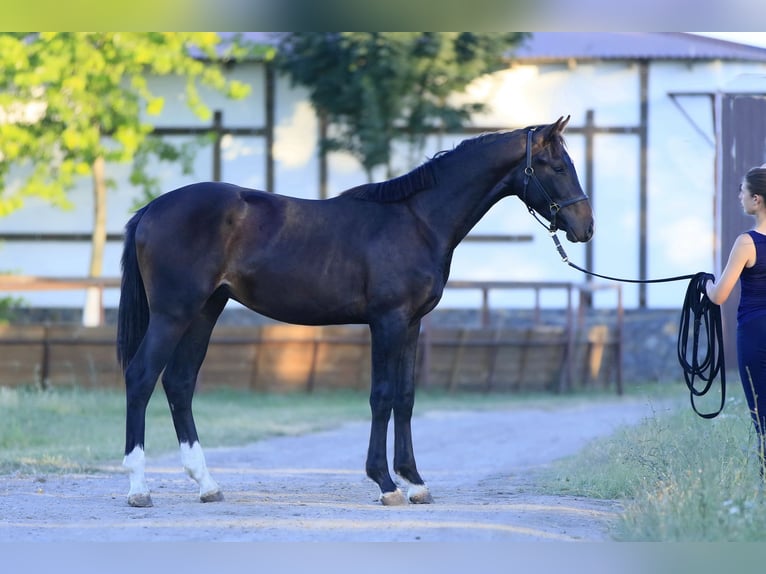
(553,206)
(700,318)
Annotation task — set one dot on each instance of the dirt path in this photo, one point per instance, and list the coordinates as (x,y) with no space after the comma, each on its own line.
(480,468)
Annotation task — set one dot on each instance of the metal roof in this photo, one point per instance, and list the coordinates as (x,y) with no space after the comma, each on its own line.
(541,47)
(563,46)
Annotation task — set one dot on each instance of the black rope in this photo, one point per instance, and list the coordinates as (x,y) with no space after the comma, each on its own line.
(565,259)
(702,317)
(698,314)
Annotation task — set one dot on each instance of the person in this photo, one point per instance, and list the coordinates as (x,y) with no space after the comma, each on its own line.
(747,263)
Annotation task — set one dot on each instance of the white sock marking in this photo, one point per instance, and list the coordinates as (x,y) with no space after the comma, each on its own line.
(135,462)
(193,460)
(417,490)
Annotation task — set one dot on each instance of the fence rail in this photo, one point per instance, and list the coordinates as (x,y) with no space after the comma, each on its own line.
(292,357)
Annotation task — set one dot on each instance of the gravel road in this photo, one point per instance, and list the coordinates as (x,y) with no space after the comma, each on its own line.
(480,467)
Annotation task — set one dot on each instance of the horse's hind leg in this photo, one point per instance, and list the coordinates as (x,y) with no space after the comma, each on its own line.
(140,378)
(179,380)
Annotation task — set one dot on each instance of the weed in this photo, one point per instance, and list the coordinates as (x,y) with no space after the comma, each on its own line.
(681,478)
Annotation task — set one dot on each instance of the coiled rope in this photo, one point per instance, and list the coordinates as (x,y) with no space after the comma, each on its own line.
(700,325)
(703,318)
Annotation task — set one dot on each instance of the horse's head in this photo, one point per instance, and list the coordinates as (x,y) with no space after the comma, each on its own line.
(549,183)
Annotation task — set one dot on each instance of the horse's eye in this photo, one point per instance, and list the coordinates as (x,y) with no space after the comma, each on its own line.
(559,169)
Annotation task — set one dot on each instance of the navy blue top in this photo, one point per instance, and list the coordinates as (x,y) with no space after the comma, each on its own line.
(752,300)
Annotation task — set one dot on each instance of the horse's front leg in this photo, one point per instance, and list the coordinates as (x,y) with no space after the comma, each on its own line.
(404,401)
(388,341)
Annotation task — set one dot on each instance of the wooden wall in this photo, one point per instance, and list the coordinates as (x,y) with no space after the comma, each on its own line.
(289,358)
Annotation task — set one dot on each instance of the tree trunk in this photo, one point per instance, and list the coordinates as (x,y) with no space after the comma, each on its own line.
(93,311)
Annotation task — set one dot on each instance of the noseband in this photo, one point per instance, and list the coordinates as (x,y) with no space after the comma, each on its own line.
(553,206)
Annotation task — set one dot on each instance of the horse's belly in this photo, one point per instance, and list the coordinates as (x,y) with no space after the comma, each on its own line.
(303,306)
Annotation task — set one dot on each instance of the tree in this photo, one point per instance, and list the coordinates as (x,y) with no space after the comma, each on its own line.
(377,87)
(71,103)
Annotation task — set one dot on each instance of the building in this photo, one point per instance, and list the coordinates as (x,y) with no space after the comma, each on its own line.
(644,135)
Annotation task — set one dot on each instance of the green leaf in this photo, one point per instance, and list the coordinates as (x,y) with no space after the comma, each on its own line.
(154,106)
(377,87)
(69,97)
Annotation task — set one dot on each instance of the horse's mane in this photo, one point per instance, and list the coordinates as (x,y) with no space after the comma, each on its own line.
(398,188)
(490,137)
(420,178)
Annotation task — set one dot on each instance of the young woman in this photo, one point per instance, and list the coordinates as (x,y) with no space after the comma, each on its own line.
(747,263)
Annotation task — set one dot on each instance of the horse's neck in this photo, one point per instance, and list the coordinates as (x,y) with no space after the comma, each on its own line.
(458,202)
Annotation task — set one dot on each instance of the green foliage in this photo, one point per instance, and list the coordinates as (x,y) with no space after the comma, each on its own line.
(162,150)
(7,306)
(682,478)
(377,87)
(66,429)
(67,98)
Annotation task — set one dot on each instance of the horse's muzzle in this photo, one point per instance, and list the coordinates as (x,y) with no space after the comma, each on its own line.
(581,235)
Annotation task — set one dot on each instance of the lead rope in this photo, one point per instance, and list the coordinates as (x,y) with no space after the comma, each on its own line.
(698,311)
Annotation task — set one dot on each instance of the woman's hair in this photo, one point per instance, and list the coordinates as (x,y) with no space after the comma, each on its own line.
(756,180)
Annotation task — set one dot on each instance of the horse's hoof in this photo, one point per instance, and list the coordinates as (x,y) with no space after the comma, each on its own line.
(395,498)
(212,496)
(140,500)
(419,494)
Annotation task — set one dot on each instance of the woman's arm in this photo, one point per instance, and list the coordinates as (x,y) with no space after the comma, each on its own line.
(742,253)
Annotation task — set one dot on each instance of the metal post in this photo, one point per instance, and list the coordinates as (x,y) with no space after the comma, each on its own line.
(218,131)
(589,191)
(643,200)
(620,324)
(45,364)
(269,89)
(323,172)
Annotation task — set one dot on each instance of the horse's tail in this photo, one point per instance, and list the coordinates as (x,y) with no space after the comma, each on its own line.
(133,313)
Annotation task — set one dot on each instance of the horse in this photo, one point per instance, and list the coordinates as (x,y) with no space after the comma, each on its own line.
(377,254)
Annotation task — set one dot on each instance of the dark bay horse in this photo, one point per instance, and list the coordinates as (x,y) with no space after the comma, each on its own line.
(378,254)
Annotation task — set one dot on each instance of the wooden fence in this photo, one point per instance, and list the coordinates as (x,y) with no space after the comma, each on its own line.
(279,357)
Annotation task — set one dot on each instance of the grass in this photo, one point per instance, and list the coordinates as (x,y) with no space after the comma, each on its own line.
(65,430)
(681,478)
(76,430)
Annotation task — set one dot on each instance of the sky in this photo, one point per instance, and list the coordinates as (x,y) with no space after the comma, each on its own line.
(751,38)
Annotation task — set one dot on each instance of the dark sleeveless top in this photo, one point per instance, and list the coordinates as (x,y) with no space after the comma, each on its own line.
(752,300)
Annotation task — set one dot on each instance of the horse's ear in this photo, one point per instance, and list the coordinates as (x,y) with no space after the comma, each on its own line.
(551,132)
(557,127)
